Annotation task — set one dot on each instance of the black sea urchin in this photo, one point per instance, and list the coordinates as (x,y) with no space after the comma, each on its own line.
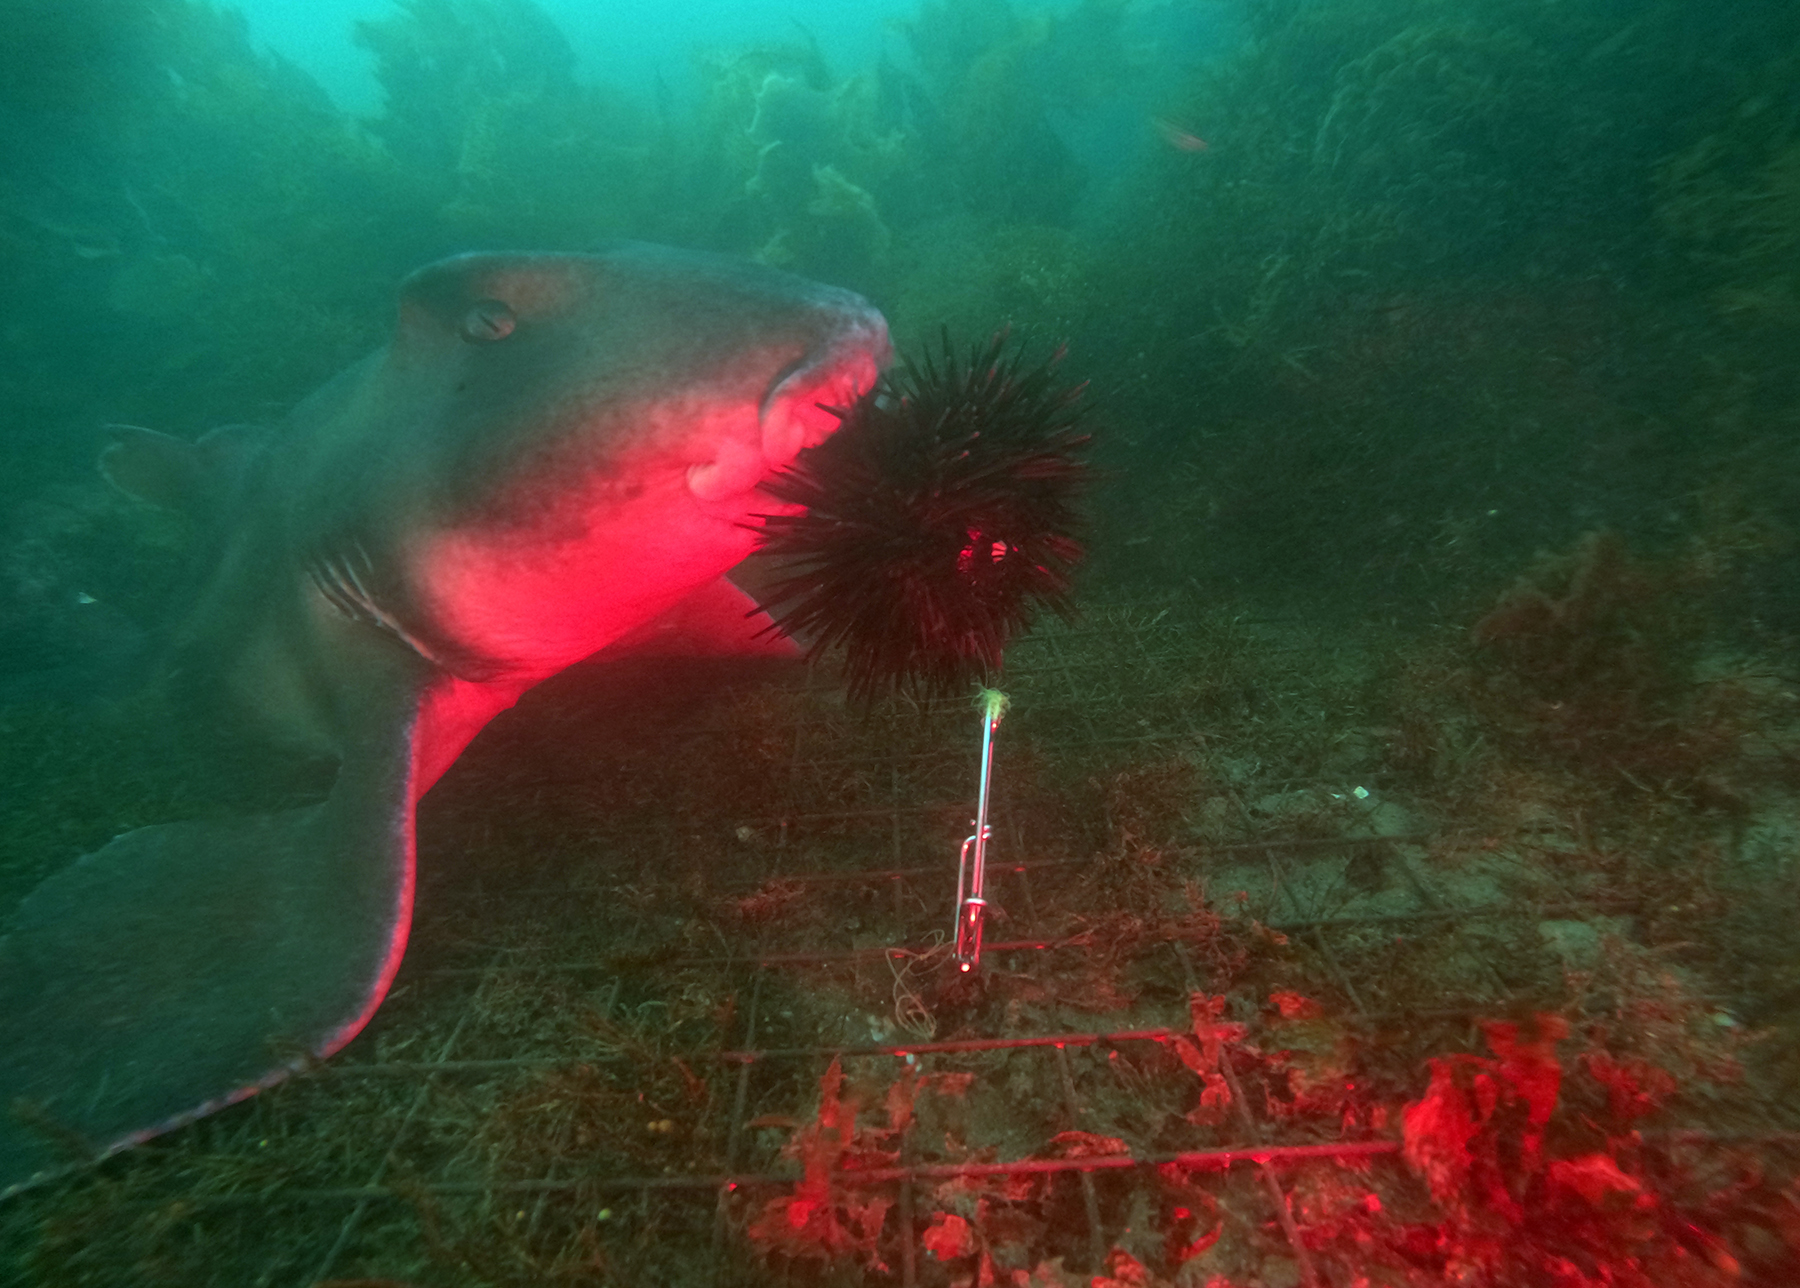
(937,520)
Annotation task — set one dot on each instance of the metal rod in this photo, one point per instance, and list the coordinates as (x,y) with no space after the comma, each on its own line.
(971,876)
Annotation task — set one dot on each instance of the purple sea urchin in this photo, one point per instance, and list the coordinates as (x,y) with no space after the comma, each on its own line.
(937,521)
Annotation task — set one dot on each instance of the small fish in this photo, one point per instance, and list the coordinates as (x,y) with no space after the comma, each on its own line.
(1175,136)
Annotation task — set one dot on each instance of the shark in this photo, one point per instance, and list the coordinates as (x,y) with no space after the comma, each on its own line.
(553,455)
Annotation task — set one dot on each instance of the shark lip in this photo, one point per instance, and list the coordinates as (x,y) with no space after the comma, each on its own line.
(800,409)
(803,405)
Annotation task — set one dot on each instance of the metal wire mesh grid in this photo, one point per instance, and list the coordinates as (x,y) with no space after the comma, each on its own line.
(654,911)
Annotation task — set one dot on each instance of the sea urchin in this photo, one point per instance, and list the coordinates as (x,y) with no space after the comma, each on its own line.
(936,521)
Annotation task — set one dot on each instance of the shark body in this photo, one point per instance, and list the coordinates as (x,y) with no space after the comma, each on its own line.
(553,452)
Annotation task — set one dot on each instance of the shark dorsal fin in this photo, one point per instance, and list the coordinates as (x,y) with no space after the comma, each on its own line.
(173,474)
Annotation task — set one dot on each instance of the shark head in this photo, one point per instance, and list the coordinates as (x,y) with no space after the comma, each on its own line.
(574,443)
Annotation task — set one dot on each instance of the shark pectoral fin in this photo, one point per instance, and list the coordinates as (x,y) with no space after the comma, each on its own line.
(188,965)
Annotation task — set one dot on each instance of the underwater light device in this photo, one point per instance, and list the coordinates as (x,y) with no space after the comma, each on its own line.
(971,876)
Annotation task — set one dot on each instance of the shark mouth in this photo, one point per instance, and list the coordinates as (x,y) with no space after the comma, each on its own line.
(803,406)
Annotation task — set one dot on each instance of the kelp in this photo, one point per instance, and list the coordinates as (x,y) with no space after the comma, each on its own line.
(187,189)
(802,168)
(1412,248)
(995,79)
(1730,200)
(482,111)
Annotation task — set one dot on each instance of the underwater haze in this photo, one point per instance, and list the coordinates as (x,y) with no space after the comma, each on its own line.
(632,45)
(1397,855)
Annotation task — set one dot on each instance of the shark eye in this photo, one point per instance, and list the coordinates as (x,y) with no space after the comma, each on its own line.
(487,321)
